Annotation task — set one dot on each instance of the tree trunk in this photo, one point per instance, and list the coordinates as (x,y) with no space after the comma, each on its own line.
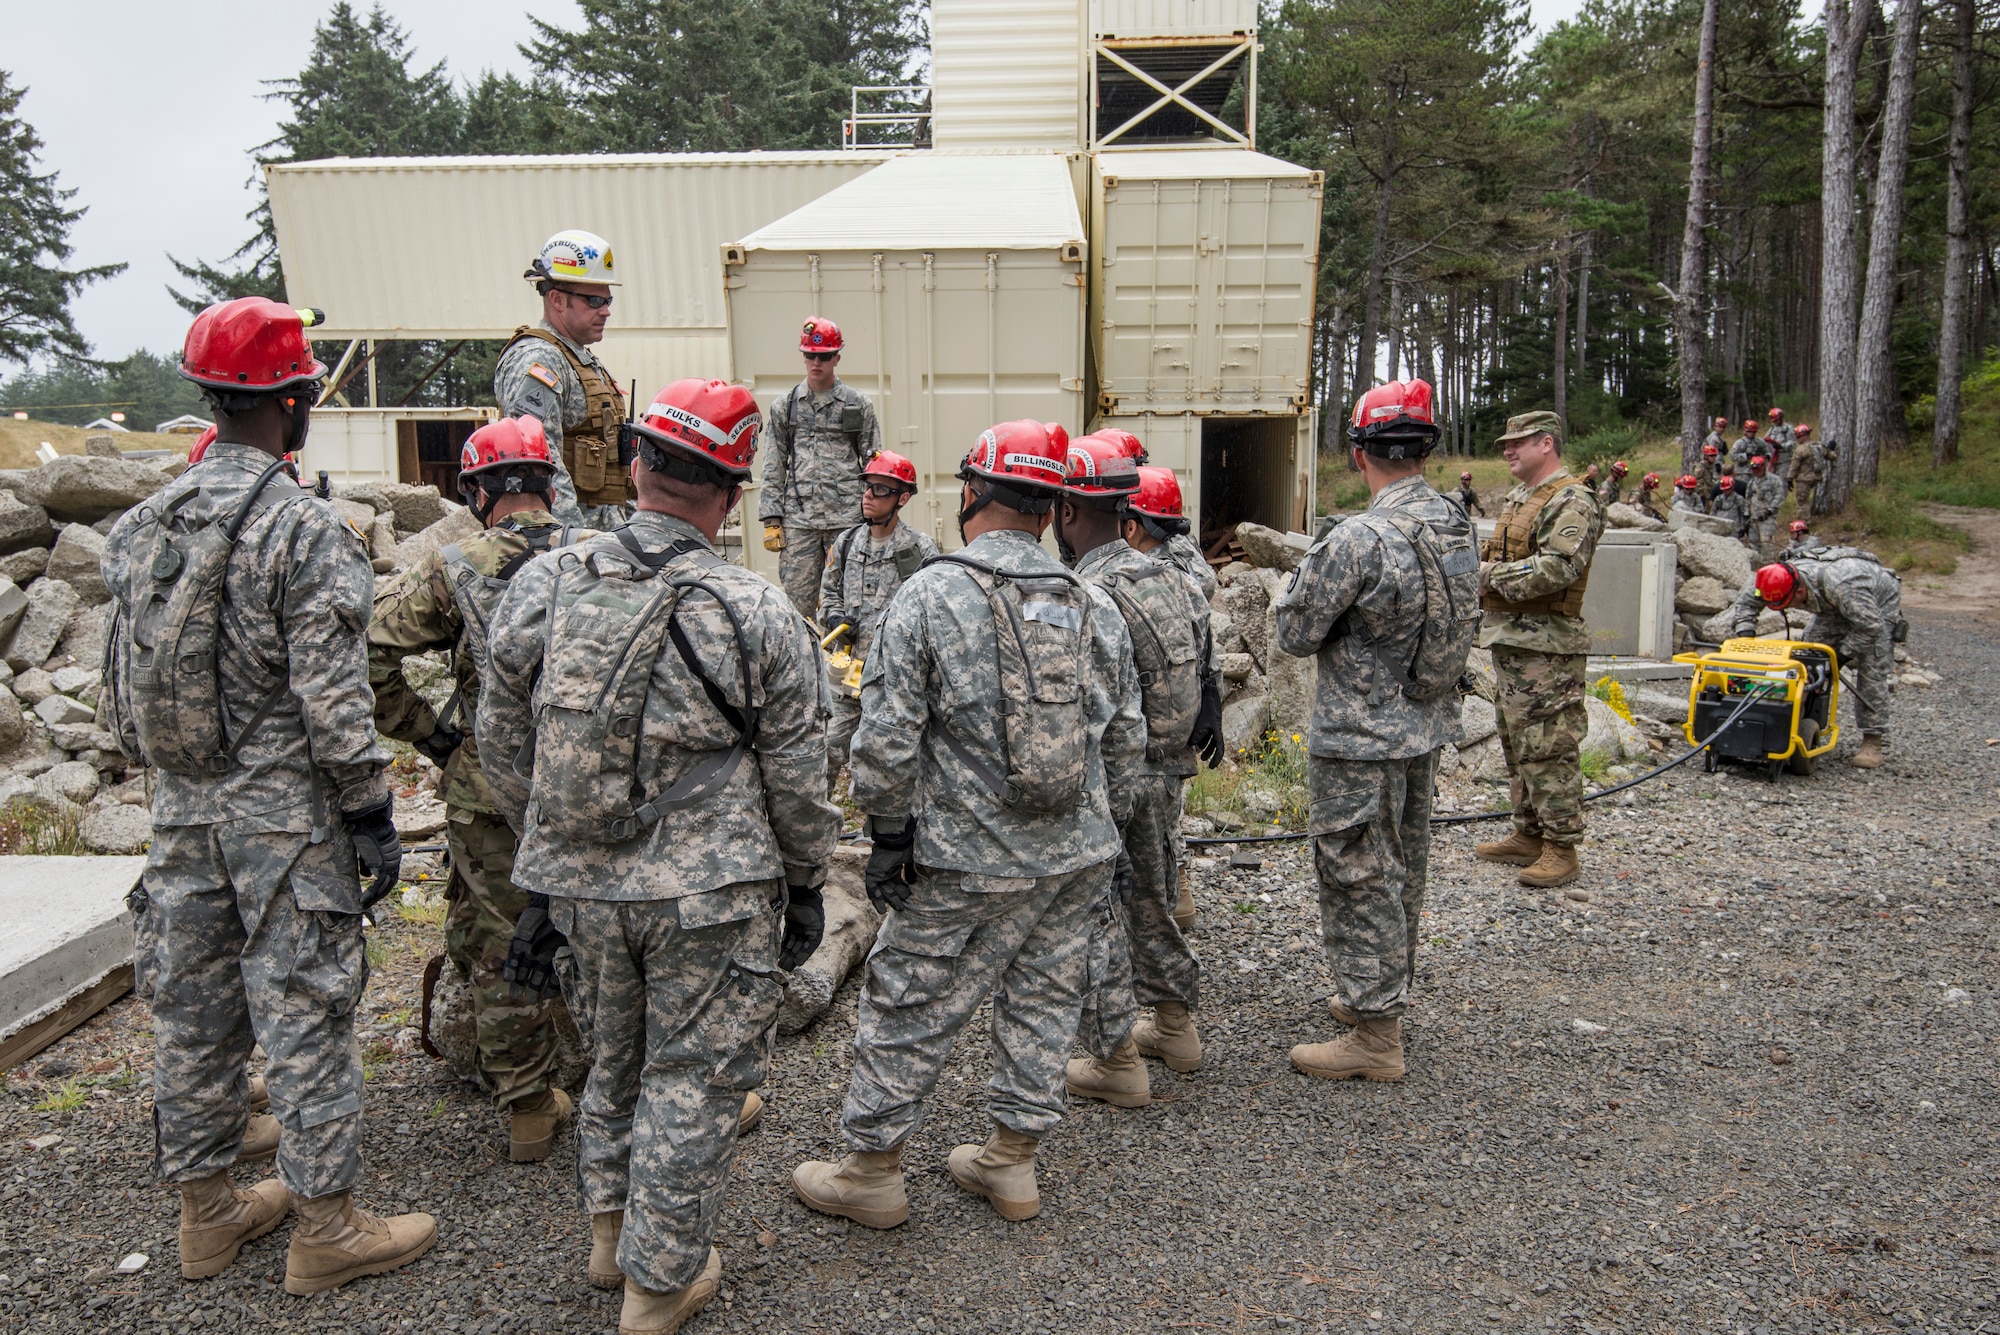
(1846,28)
(1424,359)
(1371,296)
(1394,314)
(1583,310)
(1876,370)
(1332,431)
(1958,244)
(1691,301)
(1559,372)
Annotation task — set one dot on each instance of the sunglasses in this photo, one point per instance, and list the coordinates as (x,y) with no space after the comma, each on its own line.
(821,356)
(882,491)
(595,303)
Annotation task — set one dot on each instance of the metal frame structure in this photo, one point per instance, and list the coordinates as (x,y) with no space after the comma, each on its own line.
(857,121)
(1236,46)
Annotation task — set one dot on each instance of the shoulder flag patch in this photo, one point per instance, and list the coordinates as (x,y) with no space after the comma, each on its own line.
(542,373)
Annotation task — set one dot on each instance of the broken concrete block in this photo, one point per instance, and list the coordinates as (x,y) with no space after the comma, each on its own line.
(68,935)
(77,487)
(51,604)
(118,828)
(851,924)
(57,709)
(22,524)
(25,566)
(74,560)
(13,606)
(73,779)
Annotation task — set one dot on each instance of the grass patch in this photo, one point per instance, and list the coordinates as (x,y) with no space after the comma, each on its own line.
(28,828)
(1229,797)
(1594,765)
(65,1098)
(425,914)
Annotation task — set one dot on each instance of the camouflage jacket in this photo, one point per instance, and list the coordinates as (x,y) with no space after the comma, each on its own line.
(1808,461)
(1765,496)
(1565,540)
(519,393)
(1365,570)
(295,609)
(935,663)
(1731,506)
(771,814)
(1741,450)
(1181,551)
(1705,473)
(416,613)
(1715,438)
(1691,502)
(1119,557)
(812,467)
(1469,498)
(863,573)
(1609,490)
(1857,595)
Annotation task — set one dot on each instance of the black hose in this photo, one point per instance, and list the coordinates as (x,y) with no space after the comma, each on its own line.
(1756,692)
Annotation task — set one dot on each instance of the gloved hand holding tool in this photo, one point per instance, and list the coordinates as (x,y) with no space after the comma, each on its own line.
(892,867)
(1124,879)
(530,967)
(376,848)
(774,538)
(805,917)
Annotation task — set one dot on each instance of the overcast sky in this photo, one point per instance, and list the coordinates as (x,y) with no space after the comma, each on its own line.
(149,112)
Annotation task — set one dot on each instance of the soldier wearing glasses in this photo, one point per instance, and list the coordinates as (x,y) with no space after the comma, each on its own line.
(548,372)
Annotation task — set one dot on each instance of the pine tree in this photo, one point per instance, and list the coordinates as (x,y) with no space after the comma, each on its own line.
(35,221)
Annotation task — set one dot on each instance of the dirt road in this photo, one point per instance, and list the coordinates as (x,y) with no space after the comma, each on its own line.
(1974,588)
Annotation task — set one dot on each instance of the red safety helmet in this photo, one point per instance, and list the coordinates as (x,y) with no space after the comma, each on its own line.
(1778,585)
(1394,421)
(1157,503)
(712,420)
(201,446)
(819,335)
(1727,482)
(1710,451)
(1757,464)
(1800,528)
(1024,464)
(1749,424)
(1618,467)
(1098,472)
(1688,482)
(889,464)
(1465,477)
(509,442)
(251,346)
(1721,422)
(1128,444)
(1650,480)
(1803,429)
(1777,413)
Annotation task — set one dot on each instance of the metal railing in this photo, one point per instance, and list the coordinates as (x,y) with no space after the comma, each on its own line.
(885,125)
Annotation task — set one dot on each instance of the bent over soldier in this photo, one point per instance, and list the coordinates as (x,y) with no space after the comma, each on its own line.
(653,726)
(1000,726)
(238,669)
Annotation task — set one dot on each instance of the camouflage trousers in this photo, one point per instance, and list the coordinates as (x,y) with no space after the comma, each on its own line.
(1803,490)
(1371,828)
(801,564)
(1138,956)
(1542,723)
(966,937)
(680,998)
(258,943)
(516,1039)
(1869,662)
(1760,534)
(840,729)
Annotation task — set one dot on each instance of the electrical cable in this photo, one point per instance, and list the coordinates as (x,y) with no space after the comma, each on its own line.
(1755,693)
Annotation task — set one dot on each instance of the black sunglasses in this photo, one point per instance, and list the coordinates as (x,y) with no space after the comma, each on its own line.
(821,356)
(594,302)
(882,491)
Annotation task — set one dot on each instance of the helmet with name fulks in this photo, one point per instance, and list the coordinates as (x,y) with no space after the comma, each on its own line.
(1395,421)
(700,431)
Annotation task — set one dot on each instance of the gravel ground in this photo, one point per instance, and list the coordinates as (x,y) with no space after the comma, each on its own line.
(1739,1078)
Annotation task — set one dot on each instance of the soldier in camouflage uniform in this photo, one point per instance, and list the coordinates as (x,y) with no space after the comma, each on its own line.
(1715,436)
(237,667)
(547,371)
(822,431)
(1468,496)
(1646,499)
(444,603)
(1807,470)
(1139,956)
(1763,497)
(994,832)
(1779,438)
(669,707)
(1707,473)
(1729,506)
(1363,602)
(1532,579)
(1612,488)
(1737,464)
(864,568)
(1857,607)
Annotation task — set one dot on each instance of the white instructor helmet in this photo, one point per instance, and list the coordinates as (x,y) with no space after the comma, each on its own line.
(574,256)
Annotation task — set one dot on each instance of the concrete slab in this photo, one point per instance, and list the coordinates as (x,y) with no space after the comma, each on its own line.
(1636,670)
(65,937)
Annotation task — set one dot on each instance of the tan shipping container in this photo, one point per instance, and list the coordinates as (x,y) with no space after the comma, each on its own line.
(1172,18)
(958,284)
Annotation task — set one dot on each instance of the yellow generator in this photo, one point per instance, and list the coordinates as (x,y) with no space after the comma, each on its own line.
(1789,692)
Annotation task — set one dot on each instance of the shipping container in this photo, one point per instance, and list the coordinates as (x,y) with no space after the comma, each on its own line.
(415,445)
(1172,18)
(1203,281)
(1008,74)
(1232,469)
(954,316)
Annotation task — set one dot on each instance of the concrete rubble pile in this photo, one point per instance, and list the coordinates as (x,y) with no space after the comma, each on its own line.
(1713,568)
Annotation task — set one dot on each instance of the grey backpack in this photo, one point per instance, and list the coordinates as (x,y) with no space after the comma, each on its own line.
(1444,639)
(1164,648)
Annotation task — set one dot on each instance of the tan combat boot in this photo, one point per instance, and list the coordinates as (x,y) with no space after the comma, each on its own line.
(1184,910)
(260,1095)
(1168,1033)
(752,1115)
(217,1219)
(605,1230)
(1119,1080)
(337,1241)
(1556,866)
(1870,754)
(1372,1050)
(1342,1012)
(1002,1170)
(647,1312)
(532,1124)
(866,1186)
(260,1138)
(1516,850)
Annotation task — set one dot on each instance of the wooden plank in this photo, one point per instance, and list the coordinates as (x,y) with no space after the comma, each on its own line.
(66,1017)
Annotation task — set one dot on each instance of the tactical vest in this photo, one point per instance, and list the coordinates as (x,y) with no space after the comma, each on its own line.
(166,649)
(590,448)
(1514,540)
(1041,638)
(1164,649)
(476,596)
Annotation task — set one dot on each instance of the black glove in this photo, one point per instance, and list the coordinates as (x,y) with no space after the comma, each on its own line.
(439,746)
(1206,739)
(530,968)
(376,848)
(892,867)
(1124,880)
(805,922)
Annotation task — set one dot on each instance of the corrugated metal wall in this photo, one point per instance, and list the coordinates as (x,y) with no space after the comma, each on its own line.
(435,247)
(1171,18)
(1008,74)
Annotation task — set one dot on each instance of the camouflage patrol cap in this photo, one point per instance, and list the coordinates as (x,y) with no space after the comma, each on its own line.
(1528,425)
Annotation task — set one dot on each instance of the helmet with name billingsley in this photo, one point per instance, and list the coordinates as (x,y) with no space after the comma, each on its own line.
(1023,464)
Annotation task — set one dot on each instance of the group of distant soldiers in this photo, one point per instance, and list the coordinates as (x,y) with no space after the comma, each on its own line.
(642,740)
